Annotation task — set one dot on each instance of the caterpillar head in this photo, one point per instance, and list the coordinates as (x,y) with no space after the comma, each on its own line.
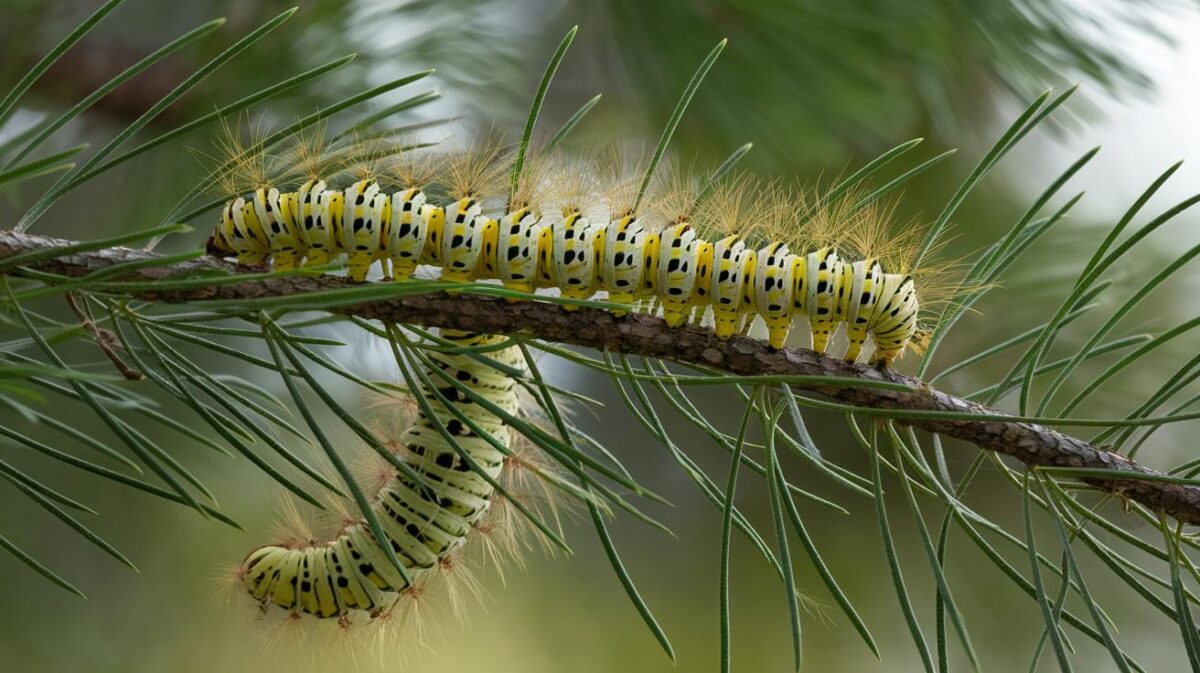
(920,340)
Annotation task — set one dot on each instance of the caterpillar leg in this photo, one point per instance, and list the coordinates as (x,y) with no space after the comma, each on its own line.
(456,277)
(403,268)
(572,293)
(856,334)
(675,312)
(622,298)
(891,345)
(727,322)
(286,261)
(526,286)
(360,264)
(777,330)
(883,358)
(252,259)
(316,257)
(821,331)
(854,349)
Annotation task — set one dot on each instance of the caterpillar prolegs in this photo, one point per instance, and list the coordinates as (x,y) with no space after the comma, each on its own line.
(630,255)
(423,524)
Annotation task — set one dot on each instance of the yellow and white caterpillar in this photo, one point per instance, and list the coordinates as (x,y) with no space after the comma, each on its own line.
(633,256)
(423,525)
(735,250)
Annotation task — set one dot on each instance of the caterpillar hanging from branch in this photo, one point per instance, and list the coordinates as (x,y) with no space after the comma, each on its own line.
(741,253)
(423,523)
(728,247)
(722,247)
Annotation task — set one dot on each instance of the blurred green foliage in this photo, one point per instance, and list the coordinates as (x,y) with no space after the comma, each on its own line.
(810,82)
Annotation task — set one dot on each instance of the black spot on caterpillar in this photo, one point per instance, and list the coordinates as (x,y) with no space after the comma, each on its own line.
(663,262)
(423,526)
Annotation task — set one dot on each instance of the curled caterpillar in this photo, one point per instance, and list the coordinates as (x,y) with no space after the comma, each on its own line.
(625,254)
(423,525)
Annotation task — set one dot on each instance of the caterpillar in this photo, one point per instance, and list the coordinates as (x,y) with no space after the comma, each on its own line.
(686,261)
(733,250)
(724,250)
(424,524)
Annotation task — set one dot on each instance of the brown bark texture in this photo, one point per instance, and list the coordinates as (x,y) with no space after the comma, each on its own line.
(642,334)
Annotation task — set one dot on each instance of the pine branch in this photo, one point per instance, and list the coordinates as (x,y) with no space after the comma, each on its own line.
(647,335)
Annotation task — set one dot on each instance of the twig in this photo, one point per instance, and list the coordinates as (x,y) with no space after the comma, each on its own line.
(106,340)
(647,335)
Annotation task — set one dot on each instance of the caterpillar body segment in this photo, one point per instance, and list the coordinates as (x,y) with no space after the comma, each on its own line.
(406,226)
(621,260)
(823,272)
(423,526)
(729,271)
(704,267)
(363,229)
(519,235)
(571,264)
(490,242)
(650,253)
(239,234)
(316,222)
(773,291)
(670,264)
(272,215)
(461,242)
(217,244)
(676,271)
(865,278)
(894,320)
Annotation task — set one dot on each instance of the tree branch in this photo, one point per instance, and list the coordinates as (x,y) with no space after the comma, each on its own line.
(647,335)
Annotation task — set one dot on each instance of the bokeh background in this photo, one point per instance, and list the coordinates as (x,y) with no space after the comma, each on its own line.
(819,88)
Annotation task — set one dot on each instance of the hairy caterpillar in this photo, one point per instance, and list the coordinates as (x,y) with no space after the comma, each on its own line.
(724,248)
(632,255)
(423,526)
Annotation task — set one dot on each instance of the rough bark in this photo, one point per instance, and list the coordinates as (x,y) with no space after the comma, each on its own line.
(647,335)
